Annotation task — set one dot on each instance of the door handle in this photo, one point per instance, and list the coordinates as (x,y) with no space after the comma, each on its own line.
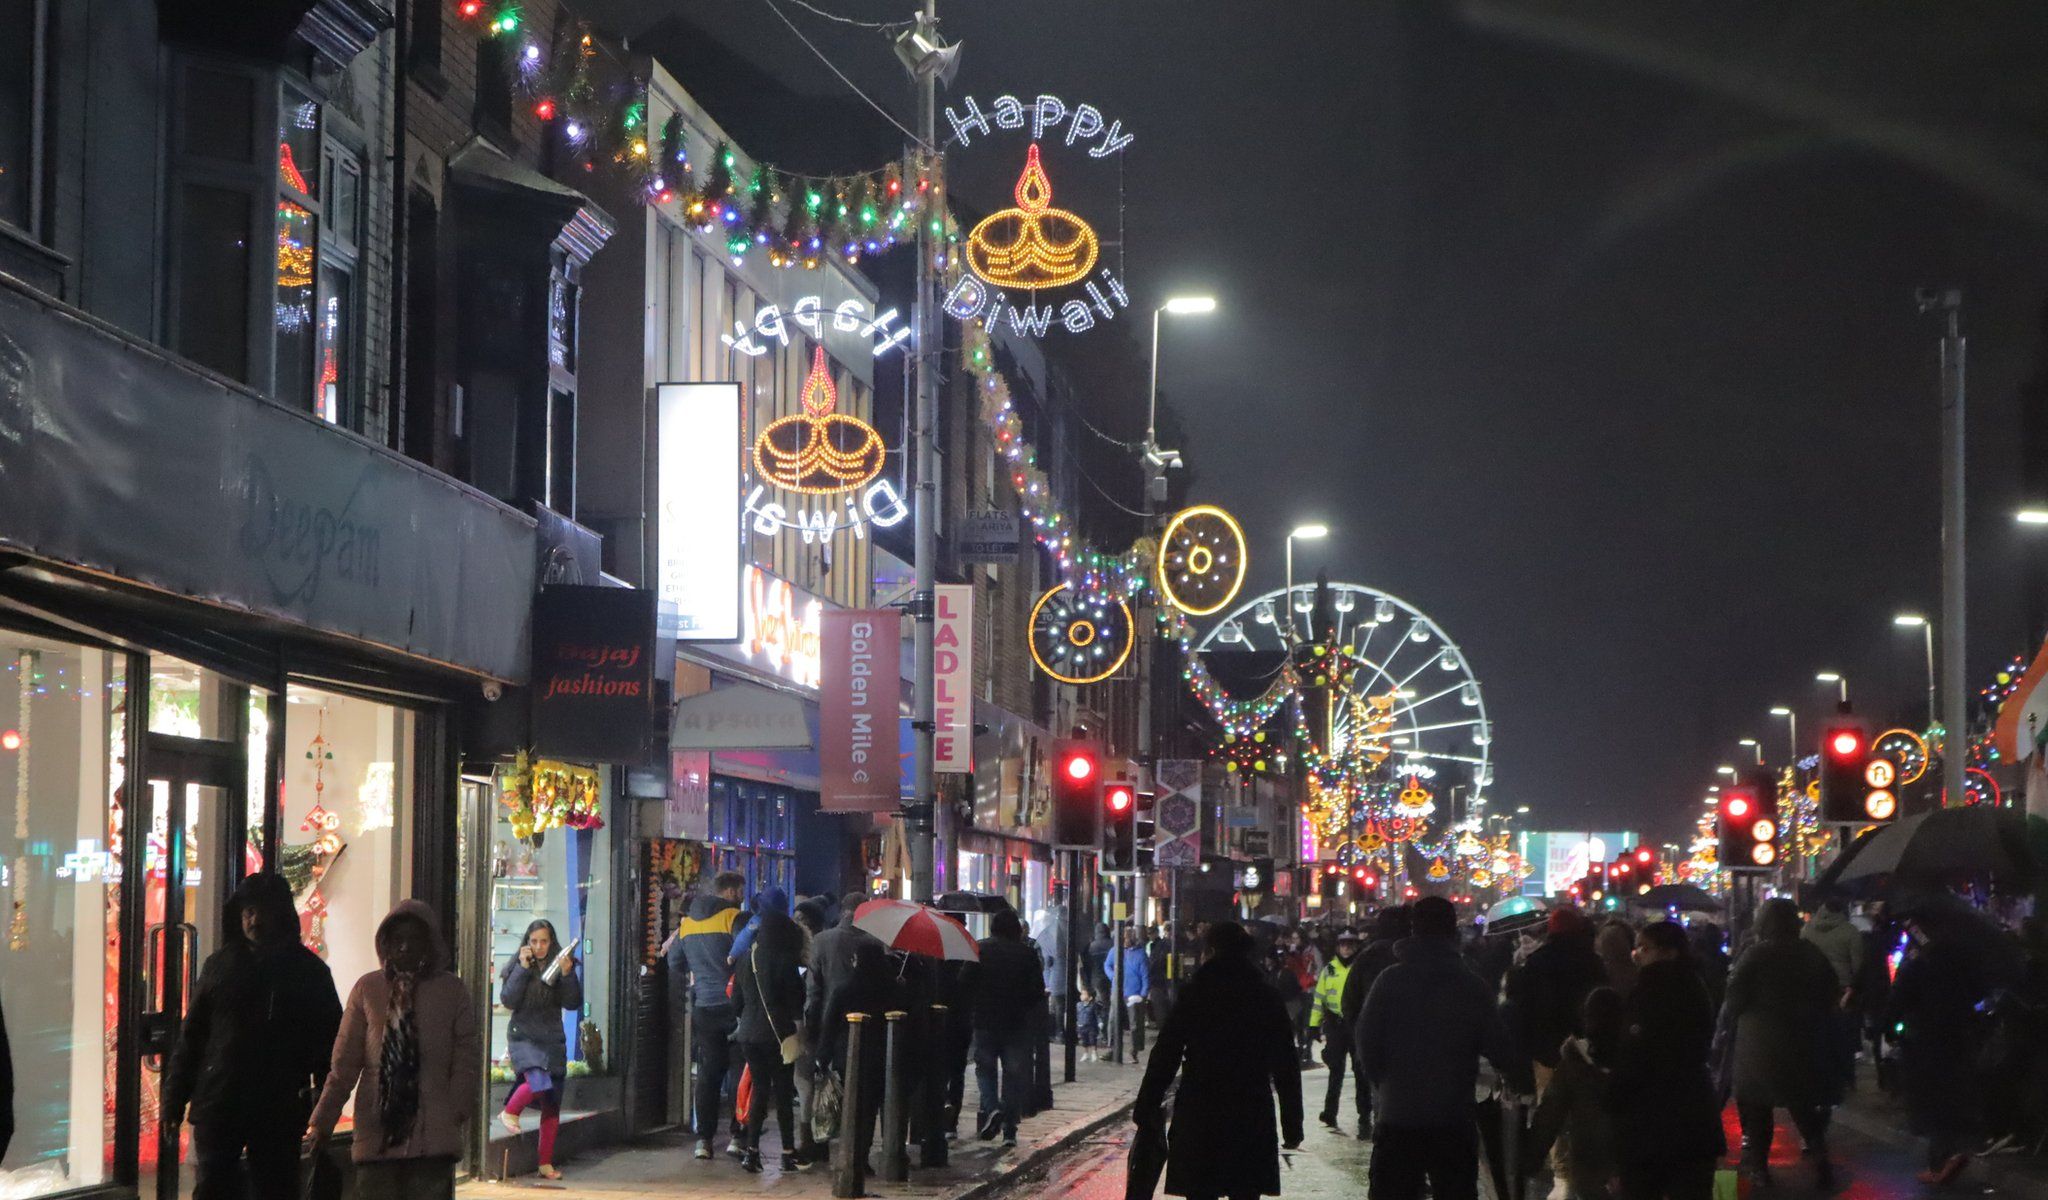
(188,961)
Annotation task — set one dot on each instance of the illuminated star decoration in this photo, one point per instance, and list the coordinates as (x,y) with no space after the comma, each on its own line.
(819,451)
(1080,636)
(1201,560)
(1033,245)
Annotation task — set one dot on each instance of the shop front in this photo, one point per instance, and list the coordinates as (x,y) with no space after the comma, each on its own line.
(233,638)
(1008,851)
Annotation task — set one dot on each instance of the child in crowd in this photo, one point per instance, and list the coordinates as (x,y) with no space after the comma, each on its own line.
(1088,1026)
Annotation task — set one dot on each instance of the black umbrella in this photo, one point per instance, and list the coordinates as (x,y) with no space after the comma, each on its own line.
(971,902)
(1532,918)
(1973,842)
(1948,917)
(1682,896)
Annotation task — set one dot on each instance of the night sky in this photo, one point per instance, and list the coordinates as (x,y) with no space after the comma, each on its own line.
(1595,341)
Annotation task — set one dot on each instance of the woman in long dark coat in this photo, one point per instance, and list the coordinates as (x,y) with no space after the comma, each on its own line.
(1230,1040)
(1934,1004)
(538,1046)
(1667,1116)
(1780,1010)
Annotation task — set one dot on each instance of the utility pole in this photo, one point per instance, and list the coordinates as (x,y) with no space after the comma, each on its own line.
(924,812)
(1949,303)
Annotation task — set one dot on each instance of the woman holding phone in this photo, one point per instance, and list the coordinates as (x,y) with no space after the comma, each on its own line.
(538,984)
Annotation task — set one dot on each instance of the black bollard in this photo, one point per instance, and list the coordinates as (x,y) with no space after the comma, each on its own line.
(849,1164)
(938,1076)
(1138,1030)
(895,1164)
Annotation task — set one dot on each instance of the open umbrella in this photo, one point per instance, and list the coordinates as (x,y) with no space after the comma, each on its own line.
(1682,896)
(971,902)
(1515,906)
(1972,842)
(917,929)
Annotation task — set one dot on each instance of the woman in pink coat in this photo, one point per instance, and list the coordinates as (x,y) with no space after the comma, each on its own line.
(408,1050)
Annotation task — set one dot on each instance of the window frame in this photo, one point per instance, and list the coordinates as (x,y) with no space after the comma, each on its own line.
(32,227)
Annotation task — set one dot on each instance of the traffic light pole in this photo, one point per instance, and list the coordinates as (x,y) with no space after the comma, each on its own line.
(1954,716)
(1076,956)
(922,827)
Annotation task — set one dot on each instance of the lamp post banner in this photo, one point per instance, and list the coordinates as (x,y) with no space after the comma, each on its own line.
(859,700)
(953,680)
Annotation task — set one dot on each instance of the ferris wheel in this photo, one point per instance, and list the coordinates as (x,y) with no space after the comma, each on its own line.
(1412,699)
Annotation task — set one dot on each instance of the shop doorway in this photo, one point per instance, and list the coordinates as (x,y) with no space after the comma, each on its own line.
(196,792)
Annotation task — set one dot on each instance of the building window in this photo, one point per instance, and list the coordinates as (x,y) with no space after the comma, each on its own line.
(754,827)
(335,398)
(21,53)
(299,179)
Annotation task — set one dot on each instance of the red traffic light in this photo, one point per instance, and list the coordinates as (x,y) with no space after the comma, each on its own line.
(1845,742)
(1737,806)
(1643,855)
(10,740)
(1079,767)
(1119,797)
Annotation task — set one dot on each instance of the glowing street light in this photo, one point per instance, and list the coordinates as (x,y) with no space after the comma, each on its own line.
(1306,533)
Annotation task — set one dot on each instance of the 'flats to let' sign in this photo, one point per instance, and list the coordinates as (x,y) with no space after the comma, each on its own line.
(1036,247)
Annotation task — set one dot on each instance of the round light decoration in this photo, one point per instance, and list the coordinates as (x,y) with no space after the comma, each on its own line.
(1906,749)
(1080,637)
(1980,788)
(1033,245)
(819,451)
(1201,560)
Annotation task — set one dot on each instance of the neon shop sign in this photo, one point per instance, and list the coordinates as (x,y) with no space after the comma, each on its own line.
(1035,246)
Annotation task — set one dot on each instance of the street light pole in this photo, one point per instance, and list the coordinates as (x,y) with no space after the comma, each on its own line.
(1949,303)
(924,810)
(1908,621)
(1306,533)
(1841,683)
(1791,729)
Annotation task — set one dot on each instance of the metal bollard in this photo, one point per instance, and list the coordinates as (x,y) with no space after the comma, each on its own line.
(849,1165)
(895,1164)
(938,1076)
(1138,1011)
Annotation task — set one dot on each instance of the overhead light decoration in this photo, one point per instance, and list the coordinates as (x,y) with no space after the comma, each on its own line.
(1033,245)
(1080,636)
(819,451)
(1202,560)
(1905,749)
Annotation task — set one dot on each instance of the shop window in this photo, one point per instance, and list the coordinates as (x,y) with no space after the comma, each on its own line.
(754,827)
(562,875)
(61,807)
(21,52)
(335,396)
(347,822)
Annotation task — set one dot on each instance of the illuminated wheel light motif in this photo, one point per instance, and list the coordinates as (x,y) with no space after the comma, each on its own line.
(818,451)
(1907,750)
(1765,830)
(1880,805)
(1080,637)
(1201,560)
(1033,245)
(1879,773)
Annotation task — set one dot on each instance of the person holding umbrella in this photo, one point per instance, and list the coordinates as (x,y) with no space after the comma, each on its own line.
(1231,1042)
(1933,1004)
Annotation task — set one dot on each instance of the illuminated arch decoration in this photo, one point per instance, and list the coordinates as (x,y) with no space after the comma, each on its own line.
(1033,245)
(1081,636)
(1201,560)
(818,451)
(1906,749)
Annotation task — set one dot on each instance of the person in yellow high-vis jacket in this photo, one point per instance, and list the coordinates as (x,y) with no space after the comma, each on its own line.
(1326,1020)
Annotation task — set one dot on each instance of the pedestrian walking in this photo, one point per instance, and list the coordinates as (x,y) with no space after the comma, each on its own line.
(1391,926)
(849,974)
(1616,945)
(1158,976)
(1548,991)
(254,1047)
(1232,1045)
(1842,944)
(539,984)
(1574,1111)
(1134,984)
(1009,992)
(1427,1022)
(1779,1018)
(810,921)
(1326,1022)
(1667,1120)
(768,992)
(1934,1003)
(700,965)
(408,1052)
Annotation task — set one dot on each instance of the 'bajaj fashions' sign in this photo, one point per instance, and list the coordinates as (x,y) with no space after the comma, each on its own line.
(593,673)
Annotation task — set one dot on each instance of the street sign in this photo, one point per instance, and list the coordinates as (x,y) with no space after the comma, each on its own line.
(1177,814)
(990,537)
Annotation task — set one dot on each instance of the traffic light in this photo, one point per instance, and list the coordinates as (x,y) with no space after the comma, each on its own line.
(1844,753)
(1119,825)
(1076,794)
(1749,825)
(1646,867)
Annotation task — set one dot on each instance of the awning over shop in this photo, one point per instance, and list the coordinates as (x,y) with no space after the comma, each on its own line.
(742,716)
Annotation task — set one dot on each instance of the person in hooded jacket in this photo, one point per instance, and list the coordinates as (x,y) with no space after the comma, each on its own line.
(700,965)
(408,1052)
(849,974)
(254,1046)
(1779,1013)
(539,1048)
(1575,1109)
(1548,992)
(1390,927)
(769,991)
(1231,1042)
(1933,1003)
(1667,1115)
(1842,943)
(1427,1022)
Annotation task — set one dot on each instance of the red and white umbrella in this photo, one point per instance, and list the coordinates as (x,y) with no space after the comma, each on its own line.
(917,929)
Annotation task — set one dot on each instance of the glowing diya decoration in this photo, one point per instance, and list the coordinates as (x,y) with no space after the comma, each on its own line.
(1437,869)
(819,451)
(1415,799)
(1373,842)
(1082,636)
(1033,245)
(1201,560)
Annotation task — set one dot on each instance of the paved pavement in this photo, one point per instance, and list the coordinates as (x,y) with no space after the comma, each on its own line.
(661,1165)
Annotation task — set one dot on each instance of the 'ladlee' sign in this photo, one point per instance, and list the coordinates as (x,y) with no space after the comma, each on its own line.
(593,673)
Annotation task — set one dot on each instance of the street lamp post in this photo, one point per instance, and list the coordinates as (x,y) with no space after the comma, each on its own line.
(1755,746)
(1926,628)
(1841,683)
(1306,533)
(1177,305)
(1791,730)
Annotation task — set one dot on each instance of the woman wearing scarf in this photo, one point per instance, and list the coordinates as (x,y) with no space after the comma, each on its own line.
(408,1050)
(539,1047)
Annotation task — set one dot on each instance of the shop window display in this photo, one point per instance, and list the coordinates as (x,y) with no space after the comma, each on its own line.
(61,829)
(754,827)
(550,860)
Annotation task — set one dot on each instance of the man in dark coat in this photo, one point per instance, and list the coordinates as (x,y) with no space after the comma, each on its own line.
(849,974)
(1548,991)
(1426,1023)
(1389,927)
(1933,1004)
(1667,1115)
(1780,1012)
(1232,1044)
(253,1050)
(700,966)
(1009,995)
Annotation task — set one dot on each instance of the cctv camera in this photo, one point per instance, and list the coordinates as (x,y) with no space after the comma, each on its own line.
(493,690)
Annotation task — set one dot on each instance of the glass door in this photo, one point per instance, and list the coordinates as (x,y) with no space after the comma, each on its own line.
(194,856)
